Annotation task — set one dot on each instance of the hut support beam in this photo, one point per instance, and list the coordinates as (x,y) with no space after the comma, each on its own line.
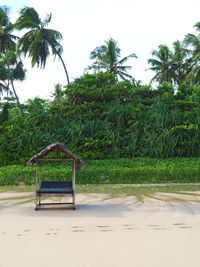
(39,163)
(73,182)
(36,185)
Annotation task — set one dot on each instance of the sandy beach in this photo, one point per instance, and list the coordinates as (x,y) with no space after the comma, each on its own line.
(101,232)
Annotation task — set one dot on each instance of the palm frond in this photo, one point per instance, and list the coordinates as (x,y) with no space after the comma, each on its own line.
(47,20)
(124,68)
(99,52)
(154,62)
(29,19)
(197,25)
(156,77)
(6,27)
(121,73)
(126,58)
(3,88)
(112,52)
(191,39)
(4,16)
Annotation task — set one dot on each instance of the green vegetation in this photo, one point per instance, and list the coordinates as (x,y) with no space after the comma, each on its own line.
(98,116)
(107,57)
(119,171)
(170,66)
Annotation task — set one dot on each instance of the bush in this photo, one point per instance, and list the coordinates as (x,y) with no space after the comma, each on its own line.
(119,171)
(98,118)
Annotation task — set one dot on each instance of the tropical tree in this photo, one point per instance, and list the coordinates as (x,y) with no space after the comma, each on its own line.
(11,69)
(7,42)
(58,93)
(7,39)
(171,66)
(193,42)
(162,64)
(181,62)
(107,57)
(39,41)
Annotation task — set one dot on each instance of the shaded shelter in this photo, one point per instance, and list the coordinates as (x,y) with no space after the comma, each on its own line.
(55,188)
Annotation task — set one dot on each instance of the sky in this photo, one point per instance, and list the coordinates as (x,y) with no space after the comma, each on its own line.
(138,26)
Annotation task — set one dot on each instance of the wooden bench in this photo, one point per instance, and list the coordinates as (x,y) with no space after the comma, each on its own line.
(55,189)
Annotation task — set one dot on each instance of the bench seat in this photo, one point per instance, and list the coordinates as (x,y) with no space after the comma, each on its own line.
(51,187)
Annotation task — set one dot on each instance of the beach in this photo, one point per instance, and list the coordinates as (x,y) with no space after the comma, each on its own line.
(102,231)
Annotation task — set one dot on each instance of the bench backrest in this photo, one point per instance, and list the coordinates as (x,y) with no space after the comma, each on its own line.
(52,184)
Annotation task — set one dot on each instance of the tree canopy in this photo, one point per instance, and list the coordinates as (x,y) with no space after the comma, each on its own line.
(107,57)
(7,39)
(38,42)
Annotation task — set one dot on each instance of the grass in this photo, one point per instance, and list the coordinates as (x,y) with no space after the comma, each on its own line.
(117,171)
(128,189)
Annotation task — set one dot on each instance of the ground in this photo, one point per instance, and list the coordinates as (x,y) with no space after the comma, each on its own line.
(101,232)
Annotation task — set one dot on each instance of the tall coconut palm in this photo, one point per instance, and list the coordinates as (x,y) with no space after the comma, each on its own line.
(193,42)
(107,57)
(39,41)
(162,64)
(7,47)
(11,69)
(181,62)
(7,39)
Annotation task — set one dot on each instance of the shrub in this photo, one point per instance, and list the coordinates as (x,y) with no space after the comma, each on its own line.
(119,171)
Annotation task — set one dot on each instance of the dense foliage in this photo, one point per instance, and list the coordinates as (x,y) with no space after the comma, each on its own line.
(99,118)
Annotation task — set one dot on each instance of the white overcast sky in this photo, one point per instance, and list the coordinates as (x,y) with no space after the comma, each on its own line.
(138,26)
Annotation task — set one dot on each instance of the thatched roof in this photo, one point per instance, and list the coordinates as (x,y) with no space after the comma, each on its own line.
(59,146)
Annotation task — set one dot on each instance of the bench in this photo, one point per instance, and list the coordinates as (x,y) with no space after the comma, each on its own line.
(53,189)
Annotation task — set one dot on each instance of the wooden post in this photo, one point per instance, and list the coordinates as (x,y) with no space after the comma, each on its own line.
(36,182)
(73,174)
(39,179)
(39,163)
(73,181)
(36,186)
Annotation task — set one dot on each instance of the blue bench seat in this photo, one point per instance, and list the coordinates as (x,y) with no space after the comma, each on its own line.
(51,187)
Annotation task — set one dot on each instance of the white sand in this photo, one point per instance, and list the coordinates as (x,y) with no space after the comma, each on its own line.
(100,233)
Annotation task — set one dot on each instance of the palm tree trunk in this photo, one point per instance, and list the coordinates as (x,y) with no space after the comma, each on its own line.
(64,67)
(18,103)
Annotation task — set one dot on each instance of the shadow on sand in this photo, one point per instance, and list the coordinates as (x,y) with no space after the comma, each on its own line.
(82,210)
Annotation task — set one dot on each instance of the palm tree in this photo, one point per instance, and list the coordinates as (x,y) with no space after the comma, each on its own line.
(58,93)
(107,58)
(162,64)
(11,69)
(8,56)
(39,41)
(193,41)
(181,62)
(7,40)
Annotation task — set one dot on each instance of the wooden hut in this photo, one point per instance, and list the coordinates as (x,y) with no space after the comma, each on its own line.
(55,188)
